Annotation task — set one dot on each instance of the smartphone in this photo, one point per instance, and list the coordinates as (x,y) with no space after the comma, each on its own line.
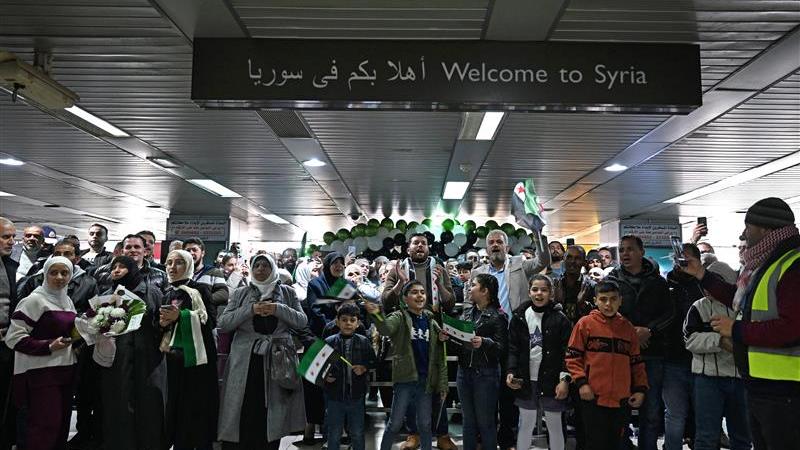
(66,340)
(570,241)
(702,221)
(351,250)
(677,252)
(517,381)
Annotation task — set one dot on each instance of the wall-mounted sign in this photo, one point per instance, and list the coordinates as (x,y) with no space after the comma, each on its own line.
(446,75)
(652,234)
(206,228)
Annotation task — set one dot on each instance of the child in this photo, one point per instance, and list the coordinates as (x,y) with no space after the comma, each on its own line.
(345,386)
(418,363)
(539,334)
(603,355)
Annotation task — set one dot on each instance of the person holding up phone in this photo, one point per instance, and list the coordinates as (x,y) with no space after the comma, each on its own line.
(44,363)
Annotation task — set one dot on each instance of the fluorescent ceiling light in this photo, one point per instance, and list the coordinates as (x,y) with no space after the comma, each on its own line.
(489,124)
(6,194)
(98,216)
(616,168)
(793,200)
(167,163)
(214,187)
(313,162)
(11,162)
(771,167)
(96,121)
(455,190)
(273,218)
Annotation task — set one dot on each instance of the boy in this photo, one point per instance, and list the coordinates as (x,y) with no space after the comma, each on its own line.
(346,386)
(418,363)
(603,355)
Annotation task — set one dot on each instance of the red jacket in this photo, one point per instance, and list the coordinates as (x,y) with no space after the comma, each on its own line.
(604,352)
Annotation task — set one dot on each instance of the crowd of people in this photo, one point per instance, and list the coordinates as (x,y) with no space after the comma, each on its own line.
(579,338)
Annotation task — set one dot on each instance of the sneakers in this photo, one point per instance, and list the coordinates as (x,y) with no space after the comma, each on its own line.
(411,442)
(445,443)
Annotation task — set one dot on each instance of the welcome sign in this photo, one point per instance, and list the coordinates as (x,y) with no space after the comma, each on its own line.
(446,75)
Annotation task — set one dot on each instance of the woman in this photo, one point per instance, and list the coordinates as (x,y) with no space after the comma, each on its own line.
(304,273)
(258,411)
(44,363)
(332,271)
(133,387)
(478,378)
(234,279)
(192,401)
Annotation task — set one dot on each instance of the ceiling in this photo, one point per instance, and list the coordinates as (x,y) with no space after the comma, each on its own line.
(130,61)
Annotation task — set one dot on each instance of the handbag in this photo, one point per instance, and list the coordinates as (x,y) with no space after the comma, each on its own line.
(283,363)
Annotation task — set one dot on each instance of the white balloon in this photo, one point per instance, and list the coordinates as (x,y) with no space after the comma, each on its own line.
(337,246)
(481,243)
(526,241)
(383,233)
(375,243)
(361,244)
(460,239)
(459,229)
(326,248)
(451,249)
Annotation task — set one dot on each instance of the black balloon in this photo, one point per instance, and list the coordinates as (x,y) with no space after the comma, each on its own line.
(446,237)
(431,237)
(472,238)
(388,243)
(399,239)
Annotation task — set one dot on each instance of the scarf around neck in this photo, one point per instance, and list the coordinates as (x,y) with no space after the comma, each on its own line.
(755,257)
(408,266)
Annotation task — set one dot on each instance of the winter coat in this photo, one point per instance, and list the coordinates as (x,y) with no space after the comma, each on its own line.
(155,278)
(579,305)
(80,289)
(684,290)
(492,326)
(286,408)
(520,271)
(348,385)
(556,329)
(398,326)
(708,358)
(604,353)
(646,303)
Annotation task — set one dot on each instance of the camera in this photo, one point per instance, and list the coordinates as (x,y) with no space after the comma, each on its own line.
(354,216)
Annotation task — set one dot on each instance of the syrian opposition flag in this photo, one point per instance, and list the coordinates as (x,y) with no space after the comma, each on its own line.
(188,336)
(317,361)
(463,330)
(526,207)
(342,290)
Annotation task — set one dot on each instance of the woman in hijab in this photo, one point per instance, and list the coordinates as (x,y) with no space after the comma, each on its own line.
(259,405)
(44,363)
(186,319)
(332,271)
(133,387)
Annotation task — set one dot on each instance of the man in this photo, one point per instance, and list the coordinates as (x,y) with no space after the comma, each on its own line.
(483,256)
(766,332)
(473,258)
(149,245)
(646,302)
(431,273)
(133,246)
(513,274)
(374,274)
(80,289)
(556,259)
(606,258)
(574,290)
(289,260)
(29,251)
(593,260)
(8,295)
(97,254)
(211,276)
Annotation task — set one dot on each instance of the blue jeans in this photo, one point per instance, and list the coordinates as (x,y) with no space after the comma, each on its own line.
(440,425)
(478,390)
(406,394)
(677,393)
(650,412)
(714,398)
(353,411)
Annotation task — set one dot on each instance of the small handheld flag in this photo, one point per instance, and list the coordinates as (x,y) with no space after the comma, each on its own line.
(341,289)
(525,206)
(463,330)
(317,361)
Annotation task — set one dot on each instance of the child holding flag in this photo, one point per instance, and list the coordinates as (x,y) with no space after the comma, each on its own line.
(346,384)
(418,362)
(478,377)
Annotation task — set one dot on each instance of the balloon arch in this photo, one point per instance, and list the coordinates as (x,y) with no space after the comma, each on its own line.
(446,239)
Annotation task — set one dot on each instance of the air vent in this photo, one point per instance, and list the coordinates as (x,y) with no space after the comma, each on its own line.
(51,206)
(285,124)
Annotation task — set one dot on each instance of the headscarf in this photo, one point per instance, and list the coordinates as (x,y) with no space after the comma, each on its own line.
(132,279)
(267,286)
(57,296)
(302,275)
(330,258)
(187,258)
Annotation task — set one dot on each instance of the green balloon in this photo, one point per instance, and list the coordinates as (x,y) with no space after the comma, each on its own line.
(373,223)
(412,224)
(343,234)
(401,225)
(448,224)
(329,237)
(427,222)
(469,225)
(371,231)
(520,233)
(481,232)
(508,229)
(356,231)
(387,223)
(491,225)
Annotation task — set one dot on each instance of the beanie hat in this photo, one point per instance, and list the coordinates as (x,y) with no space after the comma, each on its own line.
(771,213)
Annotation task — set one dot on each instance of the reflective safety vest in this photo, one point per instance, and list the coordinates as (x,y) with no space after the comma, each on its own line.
(773,363)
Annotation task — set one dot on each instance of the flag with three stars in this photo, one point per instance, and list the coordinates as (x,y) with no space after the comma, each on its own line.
(317,361)
(525,206)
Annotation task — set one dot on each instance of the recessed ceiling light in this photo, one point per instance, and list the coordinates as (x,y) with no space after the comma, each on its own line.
(273,218)
(313,162)
(214,187)
(616,168)
(455,190)
(11,162)
(6,194)
(96,121)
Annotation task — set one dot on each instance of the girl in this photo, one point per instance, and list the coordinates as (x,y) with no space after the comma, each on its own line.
(539,334)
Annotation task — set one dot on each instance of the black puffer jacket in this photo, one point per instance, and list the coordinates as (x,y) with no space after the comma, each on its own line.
(646,303)
(556,330)
(80,289)
(492,326)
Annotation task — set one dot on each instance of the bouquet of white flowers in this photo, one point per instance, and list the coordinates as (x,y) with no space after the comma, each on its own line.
(111,315)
